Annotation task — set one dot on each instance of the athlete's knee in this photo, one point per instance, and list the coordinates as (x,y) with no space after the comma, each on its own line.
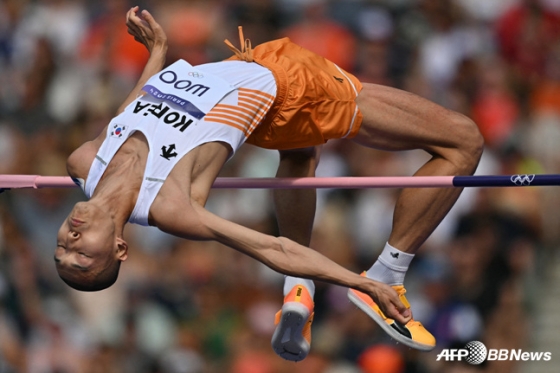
(468,143)
(304,159)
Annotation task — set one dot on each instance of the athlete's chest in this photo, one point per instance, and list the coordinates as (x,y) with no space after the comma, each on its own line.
(128,165)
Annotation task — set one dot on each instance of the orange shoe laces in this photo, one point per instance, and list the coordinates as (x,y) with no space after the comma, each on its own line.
(246,52)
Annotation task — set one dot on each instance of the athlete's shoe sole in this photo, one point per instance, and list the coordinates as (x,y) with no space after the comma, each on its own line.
(288,341)
(396,330)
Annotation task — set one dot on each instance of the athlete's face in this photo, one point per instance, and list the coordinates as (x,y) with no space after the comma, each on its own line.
(86,242)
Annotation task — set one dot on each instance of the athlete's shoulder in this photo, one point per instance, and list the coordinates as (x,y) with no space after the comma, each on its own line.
(79,162)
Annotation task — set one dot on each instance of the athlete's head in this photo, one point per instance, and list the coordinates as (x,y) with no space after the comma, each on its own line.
(89,252)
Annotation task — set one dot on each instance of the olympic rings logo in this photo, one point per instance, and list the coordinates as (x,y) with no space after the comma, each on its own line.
(522,179)
(194,74)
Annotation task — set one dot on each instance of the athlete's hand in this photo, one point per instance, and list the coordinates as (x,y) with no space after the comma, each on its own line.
(145,29)
(388,300)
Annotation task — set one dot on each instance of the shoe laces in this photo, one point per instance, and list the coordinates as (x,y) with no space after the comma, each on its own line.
(413,322)
(401,291)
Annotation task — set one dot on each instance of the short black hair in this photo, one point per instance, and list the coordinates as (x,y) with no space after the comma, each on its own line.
(104,279)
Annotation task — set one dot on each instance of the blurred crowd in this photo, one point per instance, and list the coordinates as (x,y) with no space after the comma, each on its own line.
(198,307)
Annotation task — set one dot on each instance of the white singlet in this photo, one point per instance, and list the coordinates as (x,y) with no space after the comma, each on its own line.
(186,107)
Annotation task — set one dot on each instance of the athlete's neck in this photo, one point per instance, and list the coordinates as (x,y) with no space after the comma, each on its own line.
(118,189)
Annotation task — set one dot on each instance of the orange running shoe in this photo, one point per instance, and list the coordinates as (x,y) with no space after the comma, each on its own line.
(413,334)
(292,338)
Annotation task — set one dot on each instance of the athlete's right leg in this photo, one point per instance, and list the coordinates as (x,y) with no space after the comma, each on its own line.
(397,120)
(295,211)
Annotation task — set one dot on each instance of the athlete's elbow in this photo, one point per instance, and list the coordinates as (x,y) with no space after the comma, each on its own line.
(276,254)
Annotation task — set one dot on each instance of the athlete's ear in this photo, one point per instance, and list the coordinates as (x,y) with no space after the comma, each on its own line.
(122,249)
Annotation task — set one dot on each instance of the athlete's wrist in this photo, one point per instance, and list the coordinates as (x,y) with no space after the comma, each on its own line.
(159,49)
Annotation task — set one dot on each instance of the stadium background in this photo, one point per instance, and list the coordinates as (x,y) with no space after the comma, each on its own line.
(191,307)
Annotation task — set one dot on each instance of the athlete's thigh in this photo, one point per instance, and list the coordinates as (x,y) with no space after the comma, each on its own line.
(398,120)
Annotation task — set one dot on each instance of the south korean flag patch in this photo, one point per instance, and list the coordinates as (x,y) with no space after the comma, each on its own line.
(118,130)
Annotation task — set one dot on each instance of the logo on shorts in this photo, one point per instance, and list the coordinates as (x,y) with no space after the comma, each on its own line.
(118,130)
(476,353)
(340,80)
(195,74)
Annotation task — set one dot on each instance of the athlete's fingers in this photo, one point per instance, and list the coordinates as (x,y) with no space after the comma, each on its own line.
(135,20)
(389,302)
(147,16)
(137,29)
(396,309)
(402,314)
(132,20)
(132,10)
(145,29)
(158,34)
(138,22)
(134,31)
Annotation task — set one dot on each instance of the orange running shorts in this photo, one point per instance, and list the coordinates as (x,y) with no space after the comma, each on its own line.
(315,99)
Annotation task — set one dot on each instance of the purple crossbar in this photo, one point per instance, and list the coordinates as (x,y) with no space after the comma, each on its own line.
(36,181)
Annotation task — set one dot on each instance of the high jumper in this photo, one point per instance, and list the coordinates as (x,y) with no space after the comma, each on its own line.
(156,161)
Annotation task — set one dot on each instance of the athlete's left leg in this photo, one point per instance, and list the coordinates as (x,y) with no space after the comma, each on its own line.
(295,212)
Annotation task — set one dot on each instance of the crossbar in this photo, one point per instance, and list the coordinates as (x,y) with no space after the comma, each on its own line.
(37,182)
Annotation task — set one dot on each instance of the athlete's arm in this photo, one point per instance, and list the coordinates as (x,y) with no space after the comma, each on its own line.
(192,221)
(147,31)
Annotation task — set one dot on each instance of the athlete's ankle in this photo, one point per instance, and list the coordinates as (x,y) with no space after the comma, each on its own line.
(291,282)
(391,266)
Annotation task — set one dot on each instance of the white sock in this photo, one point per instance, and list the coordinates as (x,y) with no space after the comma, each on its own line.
(290,282)
(391,266)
